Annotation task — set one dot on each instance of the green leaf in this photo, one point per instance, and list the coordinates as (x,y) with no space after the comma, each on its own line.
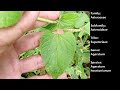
(82,73)
(51,26)
(27,54)
(9,18)
(57,51)
(68,20)
(82,20)
(82,57)
(77,55)
(72,73)
(87,28)
(30,74)
(86,57)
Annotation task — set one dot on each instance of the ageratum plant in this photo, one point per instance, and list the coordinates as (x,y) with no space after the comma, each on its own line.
(68,51)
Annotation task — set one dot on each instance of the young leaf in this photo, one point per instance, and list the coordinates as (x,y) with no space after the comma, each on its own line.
(57,51)
(68,20)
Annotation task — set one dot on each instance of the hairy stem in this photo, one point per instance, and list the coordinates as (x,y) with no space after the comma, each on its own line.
(74,30)
(46,20)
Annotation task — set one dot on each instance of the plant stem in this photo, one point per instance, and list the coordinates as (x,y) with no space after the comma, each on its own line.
(46,20)
(74,30)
